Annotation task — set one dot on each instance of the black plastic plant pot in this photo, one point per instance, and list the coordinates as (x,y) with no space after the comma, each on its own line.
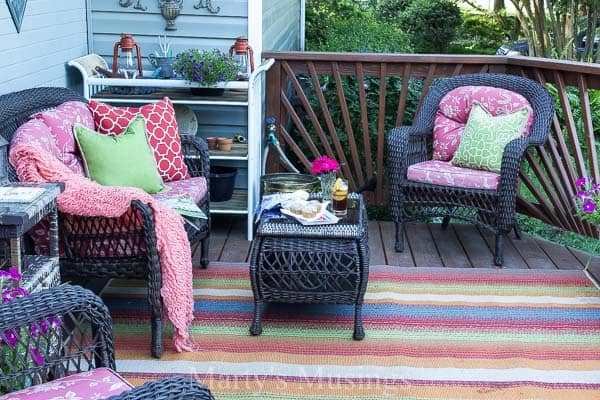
(222,182)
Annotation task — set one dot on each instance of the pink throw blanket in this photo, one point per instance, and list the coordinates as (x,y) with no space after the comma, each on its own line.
(33,164)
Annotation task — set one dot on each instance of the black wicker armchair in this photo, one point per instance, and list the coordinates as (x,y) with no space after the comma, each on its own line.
(491,209)
(132,252)
(81,341)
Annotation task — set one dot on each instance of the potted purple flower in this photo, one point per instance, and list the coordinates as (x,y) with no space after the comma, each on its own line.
(326,169)
(205,67)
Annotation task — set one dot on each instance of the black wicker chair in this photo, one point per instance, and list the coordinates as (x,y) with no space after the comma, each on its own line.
(83,342)
(493,210)
(85,239)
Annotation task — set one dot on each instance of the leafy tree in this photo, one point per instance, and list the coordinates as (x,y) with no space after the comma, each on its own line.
(389,10)
(431,24)
(551,26)
(324,14)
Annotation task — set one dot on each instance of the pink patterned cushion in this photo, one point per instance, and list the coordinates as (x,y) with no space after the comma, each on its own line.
(194,187)
(99,383)
(60,120)
(455,108)
(445,174)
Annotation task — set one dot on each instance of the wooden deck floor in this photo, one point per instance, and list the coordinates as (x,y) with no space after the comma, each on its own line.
(427,245)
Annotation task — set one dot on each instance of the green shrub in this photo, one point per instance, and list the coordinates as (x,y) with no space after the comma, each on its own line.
(431,24)
(389,10)
(363,34)
(321,15)
(480,33)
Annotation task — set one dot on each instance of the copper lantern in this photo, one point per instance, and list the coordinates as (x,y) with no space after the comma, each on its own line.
(243,54)
(123,58)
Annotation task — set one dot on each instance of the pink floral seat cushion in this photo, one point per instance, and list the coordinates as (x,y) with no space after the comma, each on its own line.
(99,383)
(445,174)
(455,108)
(193,187)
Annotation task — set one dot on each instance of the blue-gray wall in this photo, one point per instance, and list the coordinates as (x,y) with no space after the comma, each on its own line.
(195,28)
(281,24)
(52,33)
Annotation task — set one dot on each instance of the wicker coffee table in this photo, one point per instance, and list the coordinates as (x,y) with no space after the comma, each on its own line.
(293,263)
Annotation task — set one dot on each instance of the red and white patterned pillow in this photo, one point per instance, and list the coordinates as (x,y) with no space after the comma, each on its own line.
(161,130)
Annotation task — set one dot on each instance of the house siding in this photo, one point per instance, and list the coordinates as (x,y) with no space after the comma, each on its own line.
(195,28)
(52,33)
(281,25)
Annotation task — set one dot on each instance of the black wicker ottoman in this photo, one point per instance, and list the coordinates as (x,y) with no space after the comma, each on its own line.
(293,263)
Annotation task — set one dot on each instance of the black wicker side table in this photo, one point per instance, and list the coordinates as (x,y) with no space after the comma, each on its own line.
(16,218)
(293,263)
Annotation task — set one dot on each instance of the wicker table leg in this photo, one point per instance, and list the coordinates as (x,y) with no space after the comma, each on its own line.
(256,327)
(359,331)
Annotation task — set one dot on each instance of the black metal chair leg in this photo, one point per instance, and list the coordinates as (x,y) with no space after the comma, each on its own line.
(518,233)
(445,222)
(204,254)
(399,237)
(499,250)
(156,345)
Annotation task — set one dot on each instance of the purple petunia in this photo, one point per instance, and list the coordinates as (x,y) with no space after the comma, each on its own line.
(36,356)
(13,293)
(10,337)
(580,182)
(588,206)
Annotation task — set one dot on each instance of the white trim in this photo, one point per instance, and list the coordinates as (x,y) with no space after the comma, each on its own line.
(302,24)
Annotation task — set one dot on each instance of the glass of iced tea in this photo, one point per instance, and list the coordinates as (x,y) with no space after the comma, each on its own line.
(340,198)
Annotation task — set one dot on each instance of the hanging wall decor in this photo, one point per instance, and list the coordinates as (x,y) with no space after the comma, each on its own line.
(17,10)
(138,4)
(208,5)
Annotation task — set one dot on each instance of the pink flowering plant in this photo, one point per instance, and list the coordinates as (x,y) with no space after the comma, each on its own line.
(588,200)
(326,168)
(324,165)
(21,345)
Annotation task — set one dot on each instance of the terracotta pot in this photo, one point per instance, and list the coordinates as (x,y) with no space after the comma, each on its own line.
(224,143)
(211,141)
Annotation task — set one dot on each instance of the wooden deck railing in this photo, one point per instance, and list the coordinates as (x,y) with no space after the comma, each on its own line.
(350,113)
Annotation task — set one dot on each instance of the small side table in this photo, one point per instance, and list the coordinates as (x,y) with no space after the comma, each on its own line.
(293,263)
(16,218)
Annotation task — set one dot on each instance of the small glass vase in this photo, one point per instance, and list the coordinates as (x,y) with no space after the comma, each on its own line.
(327,182)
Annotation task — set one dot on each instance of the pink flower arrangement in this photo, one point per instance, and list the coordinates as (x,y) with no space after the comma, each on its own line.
(588,199)
(323,165)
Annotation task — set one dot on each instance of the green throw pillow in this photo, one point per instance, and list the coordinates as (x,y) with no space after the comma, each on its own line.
(123,160)
(485,136)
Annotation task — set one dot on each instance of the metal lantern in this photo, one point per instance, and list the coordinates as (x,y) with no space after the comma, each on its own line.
(170,9)
(123,58)
(243,55)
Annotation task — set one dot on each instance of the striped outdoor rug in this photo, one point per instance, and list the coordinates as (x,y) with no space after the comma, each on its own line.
(430,334)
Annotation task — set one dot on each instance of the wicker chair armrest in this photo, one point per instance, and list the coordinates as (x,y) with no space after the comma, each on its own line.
(196,155)
(167,389)
(74,227)
(512,158)
(74,307)
(407,145)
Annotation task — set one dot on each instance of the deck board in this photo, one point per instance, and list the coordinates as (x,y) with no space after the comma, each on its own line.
(426,245)
(450,249)
(422,246)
